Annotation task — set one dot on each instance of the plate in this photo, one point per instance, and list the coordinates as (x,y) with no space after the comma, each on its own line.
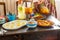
(40,17)
(14,24)
(45,23)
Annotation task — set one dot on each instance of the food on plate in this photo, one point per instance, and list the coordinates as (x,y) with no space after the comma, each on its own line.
(44,23)
(31,22)
(38,16)
(14,24)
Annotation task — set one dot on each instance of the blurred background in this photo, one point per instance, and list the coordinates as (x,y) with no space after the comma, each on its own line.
(11,6)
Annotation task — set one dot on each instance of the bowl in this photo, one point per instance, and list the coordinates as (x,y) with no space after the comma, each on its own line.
(32,24)
(2,20)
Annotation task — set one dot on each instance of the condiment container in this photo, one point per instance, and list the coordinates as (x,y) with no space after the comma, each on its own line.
(32,23)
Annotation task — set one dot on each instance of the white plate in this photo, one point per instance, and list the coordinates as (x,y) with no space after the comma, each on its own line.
(14,24)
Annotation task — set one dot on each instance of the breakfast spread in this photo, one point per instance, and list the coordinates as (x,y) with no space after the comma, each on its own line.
(36,10)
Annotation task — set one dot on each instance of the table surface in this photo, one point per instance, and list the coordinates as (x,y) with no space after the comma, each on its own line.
(26,30)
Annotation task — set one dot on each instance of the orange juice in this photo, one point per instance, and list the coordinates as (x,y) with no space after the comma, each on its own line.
(30,10)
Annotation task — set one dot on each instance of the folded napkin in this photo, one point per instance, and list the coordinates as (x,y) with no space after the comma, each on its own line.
(2,32)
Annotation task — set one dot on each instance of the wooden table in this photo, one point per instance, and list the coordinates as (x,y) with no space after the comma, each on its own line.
(35,34)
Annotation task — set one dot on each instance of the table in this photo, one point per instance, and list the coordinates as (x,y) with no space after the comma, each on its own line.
(46,33)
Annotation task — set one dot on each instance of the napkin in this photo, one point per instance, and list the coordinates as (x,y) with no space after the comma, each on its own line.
(2,31)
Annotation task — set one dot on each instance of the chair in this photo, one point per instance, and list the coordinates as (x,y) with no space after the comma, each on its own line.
(51,6)
(4,8)
(17,7)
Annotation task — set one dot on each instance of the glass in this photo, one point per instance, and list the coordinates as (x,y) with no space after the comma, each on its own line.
(28,10)
(21,11)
